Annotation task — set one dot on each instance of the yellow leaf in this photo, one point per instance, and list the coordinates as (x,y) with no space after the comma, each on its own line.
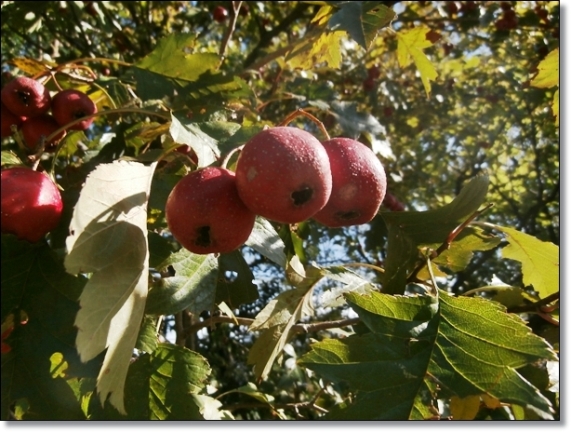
(322,15)
(555,107)
(412,122)
(410,45)
(491,402)
(30,66)
(464,408)
(324,50)
(548,75)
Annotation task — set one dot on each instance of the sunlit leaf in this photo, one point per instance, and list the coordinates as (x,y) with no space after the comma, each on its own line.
(183,131)
(411,44)
(548,71)
(265,240)
(415,341)
(555,106)
(539,260)
(193,286)
(161,386)
(326,49)
(362,20)
(10,158)
(408,230)
(109,239)
(276,321)
(464,408)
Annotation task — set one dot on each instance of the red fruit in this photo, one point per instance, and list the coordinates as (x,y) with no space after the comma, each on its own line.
(374,72)
(26,97)
(451,8)
(283,174)
(31,203)
(9,119)
(392,203)
(69,105)
(369,84)
(359,184)
(205,214)
(506,6)
(219,14)
(33,129)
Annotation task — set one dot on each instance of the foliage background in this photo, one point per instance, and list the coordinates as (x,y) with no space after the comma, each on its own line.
(471,110)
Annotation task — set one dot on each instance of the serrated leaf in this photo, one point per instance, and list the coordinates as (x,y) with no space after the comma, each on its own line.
(30,66)
(277,319)
(265,240)
(362,20)
(411,43)
(468,345)
(147,340)
(351,282)
(170,58)
(548,71)
(192,287)
(325,49)
(183,131)
(408,230)
(161,386)
(109,239)
(539,260)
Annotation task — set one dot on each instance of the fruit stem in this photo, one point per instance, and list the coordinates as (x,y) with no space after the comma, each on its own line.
(300,112)
(227,158)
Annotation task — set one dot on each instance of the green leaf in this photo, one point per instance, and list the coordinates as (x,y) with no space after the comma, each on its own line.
(183,131)
(148,340)
(161,386)
(351,282)
(10,158)
(555,107)
(192,287)
(414,341)
(171,59)
(539,260)
(35,288)
(408,230)
(411,43)
(235,281)
(548,71)
(462,248)
(109,239)
(265,240)
(362,20)
(276,321)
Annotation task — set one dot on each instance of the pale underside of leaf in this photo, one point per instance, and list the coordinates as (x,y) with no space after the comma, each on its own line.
(109,239)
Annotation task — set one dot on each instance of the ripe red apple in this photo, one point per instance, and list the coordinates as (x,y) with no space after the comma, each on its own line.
(219,14)
(69,105)
(26,97)
(283,174)
(9,119)
(31,203)
(33,129)
(205,214)
(359,184)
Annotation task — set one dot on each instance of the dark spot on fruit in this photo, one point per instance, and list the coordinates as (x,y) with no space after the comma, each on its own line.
(24,97)
(300,197)
(348,215)
(203,238)
(79,114)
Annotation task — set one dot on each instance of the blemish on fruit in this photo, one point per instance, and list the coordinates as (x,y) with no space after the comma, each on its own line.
(203,238)
(300,197)
(347,216)
(252,173)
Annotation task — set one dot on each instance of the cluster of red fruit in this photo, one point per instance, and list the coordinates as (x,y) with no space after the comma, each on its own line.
(283,174)
(26,104)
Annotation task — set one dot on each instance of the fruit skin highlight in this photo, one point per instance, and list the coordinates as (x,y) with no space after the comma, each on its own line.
(31,203)
(359,184)
(26,97)
(69,105)
(205,214)
(283,174)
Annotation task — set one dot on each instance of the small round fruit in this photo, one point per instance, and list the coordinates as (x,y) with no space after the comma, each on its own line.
(359,184)
(31,203)
(205,214)
(219,14)
(26,97)
(69,105)
(8,119)
(283,174)
(33,129)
